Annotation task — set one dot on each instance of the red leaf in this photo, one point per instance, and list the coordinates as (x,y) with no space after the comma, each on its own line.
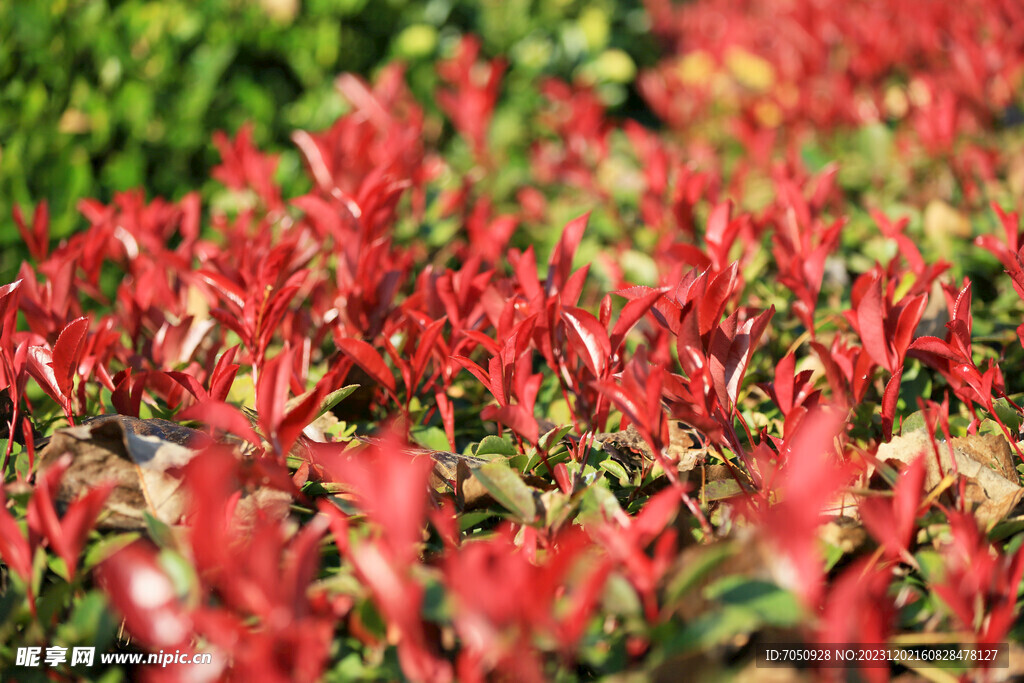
(67,536)
(805,479)
(731,349)
(78,521)
(712,304)
(588,339)
(40,366)
(573,287)
(635,309)
(910,316)
(190,384)
(143,594)
(38,238)
(527,385)
(962,310)
(427,343)
(8,310)
(871,324)
(515,417)
(483,340)
(889,398)
(690,255)
(783,386)
(563,478)
(447,410)
(127,394)
(223,375)
(299,417)
(67,352)
(892,521)
(14,547)
(525,266)
(272,393)
(233,322)
(369,360)
(560,264)
(933,345)
(223,287)
(477,371)
(627,404)
(220,415)
(496,371)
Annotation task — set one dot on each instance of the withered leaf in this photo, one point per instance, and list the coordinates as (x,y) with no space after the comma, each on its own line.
(845,533)
(140,456)
(144,458)
(985,461)
(631,450)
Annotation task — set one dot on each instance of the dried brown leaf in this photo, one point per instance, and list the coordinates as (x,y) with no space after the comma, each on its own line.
(985,461)
(631,450)
(139,455)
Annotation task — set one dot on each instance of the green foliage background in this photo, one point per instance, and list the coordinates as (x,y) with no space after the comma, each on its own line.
(98,96)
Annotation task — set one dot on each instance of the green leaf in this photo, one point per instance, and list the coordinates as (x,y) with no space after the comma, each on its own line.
(615,469)
(720,490)
(436,607)
(334,398)
(180,571)
(913,422)
(106,547)
(697,569)
(495,445)
(505,485)
(159,531)
(88,620)
(536,461)
(598,504)
(931,564)
(747,605)
(620,597)
(553,437)
(432,438)
(1007,414)
(468,520)
(833,554)
(770,604)
(557,508)
(1007,528)
(58,566)
(712,628)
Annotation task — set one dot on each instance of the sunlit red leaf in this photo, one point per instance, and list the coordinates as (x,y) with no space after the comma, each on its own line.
(272,390)
(67,352)
(8,310)
(871,324)
(516,417)
(67,535)
(561,258)
(37,239)
(369,360)
(14,547)
(889,398)
(588,339)
(220,415)
(891,521)
(712,303)
(635,309)
(731,349)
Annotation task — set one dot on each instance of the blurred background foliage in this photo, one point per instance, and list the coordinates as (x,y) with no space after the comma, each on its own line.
(98,96)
